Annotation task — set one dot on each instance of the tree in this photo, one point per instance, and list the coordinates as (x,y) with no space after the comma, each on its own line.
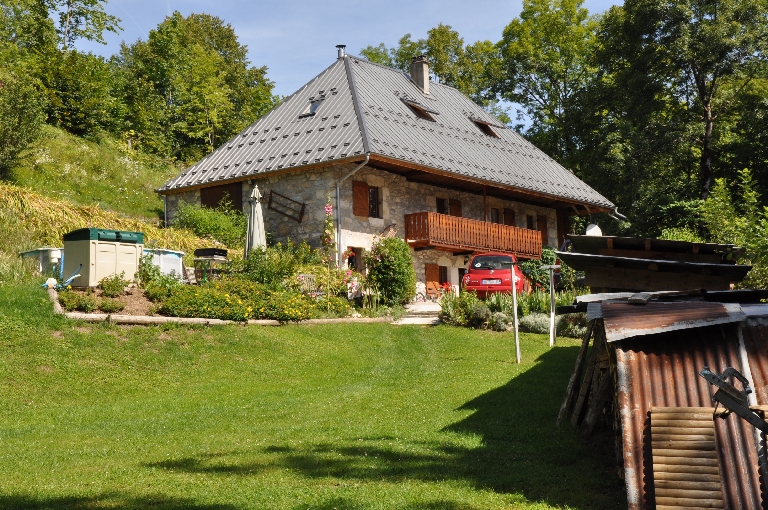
(81,19)
(545,63)
(705,51)
(21,118)
(203,90)
(467,68)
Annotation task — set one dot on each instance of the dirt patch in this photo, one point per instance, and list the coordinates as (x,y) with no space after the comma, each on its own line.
(57,334)
(136,303)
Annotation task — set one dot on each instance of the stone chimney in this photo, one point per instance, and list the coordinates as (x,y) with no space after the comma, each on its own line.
(420,72)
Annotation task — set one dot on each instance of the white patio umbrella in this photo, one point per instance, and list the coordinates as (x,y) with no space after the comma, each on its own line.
(255,237)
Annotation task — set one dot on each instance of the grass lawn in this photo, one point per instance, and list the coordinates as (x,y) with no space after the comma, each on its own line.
(337,416)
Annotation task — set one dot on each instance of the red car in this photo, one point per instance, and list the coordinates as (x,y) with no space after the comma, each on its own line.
(489,273)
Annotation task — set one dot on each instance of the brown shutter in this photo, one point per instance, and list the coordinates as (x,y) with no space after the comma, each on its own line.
(212,195)
(432,277)
(509,217)
(455,207)
(541,224)
(359,198)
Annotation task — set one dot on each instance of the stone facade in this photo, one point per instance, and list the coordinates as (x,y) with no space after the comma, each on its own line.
(398,198)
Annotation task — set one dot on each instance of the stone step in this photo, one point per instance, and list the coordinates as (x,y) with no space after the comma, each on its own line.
(424,321)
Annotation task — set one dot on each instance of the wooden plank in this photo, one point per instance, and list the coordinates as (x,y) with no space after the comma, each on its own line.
(702,446)
(698,503)
(575,381)
(684,411)
(684,437)
(679,484)
(686,468)
(663,492)
(671,427)
(712,454)
(687,477)
(680,461)
(597,402)
(642,280)
(672,469)
(590,378)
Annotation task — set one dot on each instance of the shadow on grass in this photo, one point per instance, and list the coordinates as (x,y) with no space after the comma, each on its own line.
(110,501)
(522,452)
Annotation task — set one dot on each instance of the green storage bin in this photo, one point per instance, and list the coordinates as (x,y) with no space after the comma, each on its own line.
(98,234)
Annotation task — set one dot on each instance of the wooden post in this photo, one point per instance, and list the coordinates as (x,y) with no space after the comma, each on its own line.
(485,208)
(513,278)
(591,377)
(552,332)
(575,382)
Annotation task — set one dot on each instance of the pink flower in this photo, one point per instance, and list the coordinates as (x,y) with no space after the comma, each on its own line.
(328,209)
(349,272)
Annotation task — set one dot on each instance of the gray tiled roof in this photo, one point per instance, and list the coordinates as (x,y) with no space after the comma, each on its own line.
(284,139)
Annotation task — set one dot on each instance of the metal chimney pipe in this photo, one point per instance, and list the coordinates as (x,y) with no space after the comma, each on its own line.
(340,48)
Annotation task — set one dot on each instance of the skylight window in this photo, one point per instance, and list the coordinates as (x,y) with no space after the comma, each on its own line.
(485,128)
(312,108)
(420,110)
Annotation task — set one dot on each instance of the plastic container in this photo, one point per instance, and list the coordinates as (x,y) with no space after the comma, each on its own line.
(101,253)
(169,261)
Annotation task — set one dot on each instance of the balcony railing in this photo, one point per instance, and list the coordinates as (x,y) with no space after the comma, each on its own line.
(451,233)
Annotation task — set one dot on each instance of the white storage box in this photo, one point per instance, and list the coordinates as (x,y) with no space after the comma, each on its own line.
(168,261)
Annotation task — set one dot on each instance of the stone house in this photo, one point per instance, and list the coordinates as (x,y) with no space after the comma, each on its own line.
(395,154)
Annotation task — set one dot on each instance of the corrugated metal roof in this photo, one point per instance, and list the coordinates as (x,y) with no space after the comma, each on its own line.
(623,320)
(662,371)
(283,138)
(386,125)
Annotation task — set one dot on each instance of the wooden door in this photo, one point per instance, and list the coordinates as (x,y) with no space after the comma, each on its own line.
(455,207)
(360,206)
(432,277)
(213,195)
(509,217)
(541,226)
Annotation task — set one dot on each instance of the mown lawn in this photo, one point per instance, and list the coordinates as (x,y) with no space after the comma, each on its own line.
(342,416)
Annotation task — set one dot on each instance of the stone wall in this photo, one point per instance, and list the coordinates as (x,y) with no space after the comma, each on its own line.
(399,197)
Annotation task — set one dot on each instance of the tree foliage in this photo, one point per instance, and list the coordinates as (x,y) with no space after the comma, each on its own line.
(190,86)
(545,65)
(21,118)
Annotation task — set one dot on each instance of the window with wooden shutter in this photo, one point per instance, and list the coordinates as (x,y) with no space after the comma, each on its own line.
(212,196)
(495,215)
(359,198)
(442,206)
(455,207)
(541,223)
(509,217)
(432,277)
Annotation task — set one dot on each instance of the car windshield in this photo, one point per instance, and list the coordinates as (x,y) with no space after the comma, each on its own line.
(491,262)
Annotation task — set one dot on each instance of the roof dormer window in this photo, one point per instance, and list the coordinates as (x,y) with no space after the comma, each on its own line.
(420,110)
(485,128)
(312,108)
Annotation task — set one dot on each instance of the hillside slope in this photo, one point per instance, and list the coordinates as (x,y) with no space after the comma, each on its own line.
(108,173)
(30,220)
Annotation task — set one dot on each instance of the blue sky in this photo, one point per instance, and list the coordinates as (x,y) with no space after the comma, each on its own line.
(296,39)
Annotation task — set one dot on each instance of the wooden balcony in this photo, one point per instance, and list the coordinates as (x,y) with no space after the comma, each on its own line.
(426,230)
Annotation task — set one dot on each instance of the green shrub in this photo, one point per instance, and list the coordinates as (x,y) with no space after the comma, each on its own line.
(390,270)
(148,271)
(539,277)
(455,310)
(107,305)
(277,265)
(79,301)
(204,301)
(238,299)
(114,285)
(478,315)
(161,286)
(499,321)
(334,306)
(222,224)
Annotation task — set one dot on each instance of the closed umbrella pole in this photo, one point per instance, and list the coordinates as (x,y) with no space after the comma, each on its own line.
(255,237)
